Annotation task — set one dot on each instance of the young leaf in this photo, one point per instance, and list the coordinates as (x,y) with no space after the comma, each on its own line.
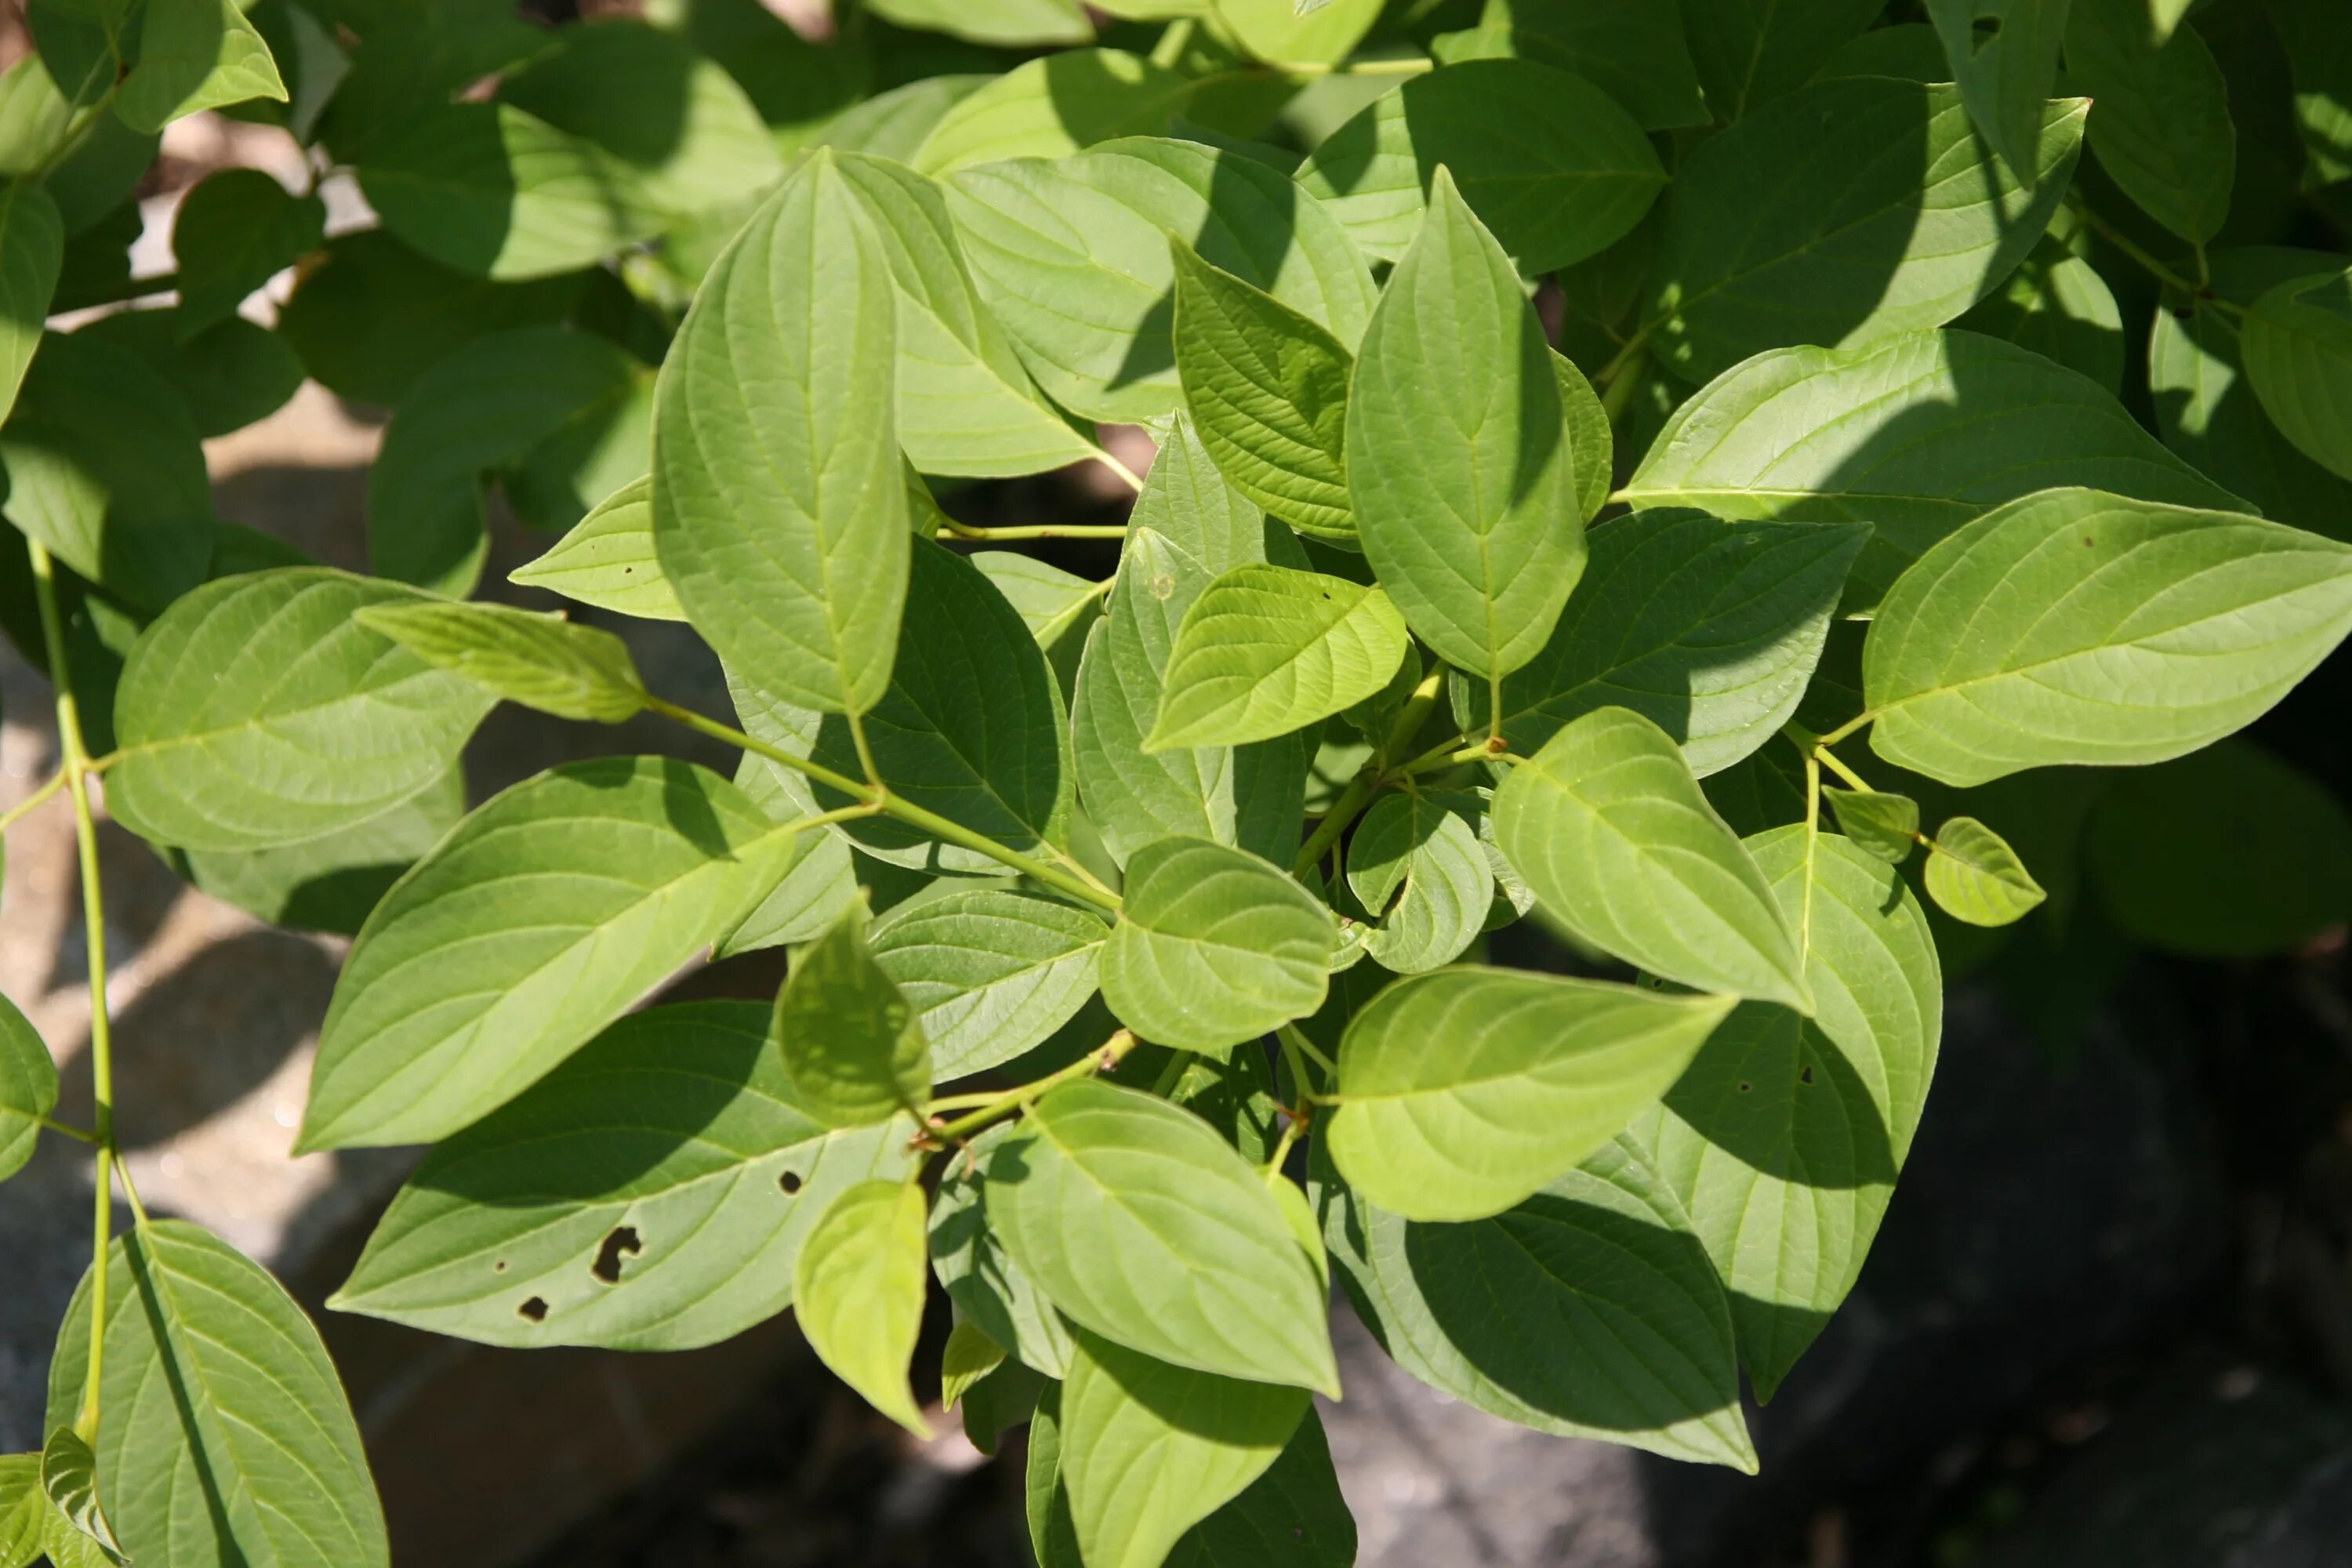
(259,1428)
(1052,107)
(1710,632)
(853,1048)
(1188,502)
(608,561)
(1617,1327)
(1748,52)
(1915,436)
(2100,630)
(1463,1092)
(1847,212)
(1457,450)
(32,248)
(1784,1138)
(1546,160)
(1267,390)
(2006,70)
(548,912)
(70,1480)
(990,972)
(539,661)
(28,1088)
(2162,130)
(1148,1451)
(1265,651)
(256,710)
(1284,30)
(1417,864)
(967,1357)
(1590,442)
(234,232)
(2298,351)
(1142,1224)
(988,1287)
(1609,828)
(195,54)
(780,510)
(1885,826)
(1974,876)
(1214,947)
(857,1291)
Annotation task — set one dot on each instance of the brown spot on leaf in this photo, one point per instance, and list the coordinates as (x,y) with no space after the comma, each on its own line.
(790,1182)
(619,1243)
(535,1309)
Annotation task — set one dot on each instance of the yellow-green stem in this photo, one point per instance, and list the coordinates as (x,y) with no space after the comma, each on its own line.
(974,535)
(32,801)
(1102,1059)
(1830,761)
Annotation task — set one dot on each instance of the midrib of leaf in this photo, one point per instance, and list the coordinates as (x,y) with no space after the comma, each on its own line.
(1189,1268)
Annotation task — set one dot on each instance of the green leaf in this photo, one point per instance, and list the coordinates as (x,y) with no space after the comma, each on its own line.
(852,1047)
(1708,631)
(1974,876)
(1279,30)
(256,710)
(195,54)
(608,561)
(1140,1223)
(2006,69)
(32,248)
(1750,51)
(1609,828)
(28,1088)
(1052,107)
(858,1293)
(539,661)
(1072,258)
(23,1509)
(2297,345)
(233,232)
(1591,1309)
(1007,22)
(1846,212)
(2100,630)
(817,886)
(1265,651)
(1191,504)
(230,376)
(106,469)
(2057,305)
(1267,390)
(490,408)
(2312,33)
(1783,1139)
(1915,436)
(1590,441)
(491,191)
(549,911)
(990,972)
(971,726)
(780,510)
(1546,160)
(2162,129)
(1457,451)
(1463,1092)
(2224,853)
(1633,51)
(1416,862)
(1247,796)
(332,882)
(896,123)
(1058,607)
(965,405)
(1148,1451)
(1213,946)
(967,1358)
(1884,826)
(70,1480)
(253,1455)
(979,1274)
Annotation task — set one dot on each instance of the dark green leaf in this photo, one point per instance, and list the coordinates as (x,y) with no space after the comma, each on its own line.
(853,1048)
(230,376)
(2297,345)
(28,1088)
(1885,826)
(32,248)
(2161,129)
(332,882)
(2057,305)
(234,232)
(195,54)
(2005,68)
(1750,51)
(1633,50)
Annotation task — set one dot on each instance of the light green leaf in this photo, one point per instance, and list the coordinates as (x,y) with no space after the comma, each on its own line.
(1014,23)
(257,712)
(1883,826)
(1784,1138)
(608,561)
(23,1509)
(1267,390)
(1247,796)
(2100,630)
(1750,51)
(539,661)
(1148,1451)
(69,1479)
(990,972)
(332,882)
(2057,305)
(28,1088)
(965,405)
(780,510)
(234,232)
(2005,70)
(1846,212)
(1465,1092)
(2162,128)
(1191,504)
(1457,451)
(1587,1311)
(1974,876)
(1546,160)
(895,124)
(967,1357)
(253,1455)
(1265,651)
(1418,866)
(858,1293)
(1052,107)
(1633,51)
(2297,345)
(853,1048)
(1915,436)
(1709,631)
(1072,257)
(1590,442)
(1609,828)
(1142,1224)
(1277,30)
(1213,946)
(32,248)
(548,912)
(195,54)
(979,1274)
